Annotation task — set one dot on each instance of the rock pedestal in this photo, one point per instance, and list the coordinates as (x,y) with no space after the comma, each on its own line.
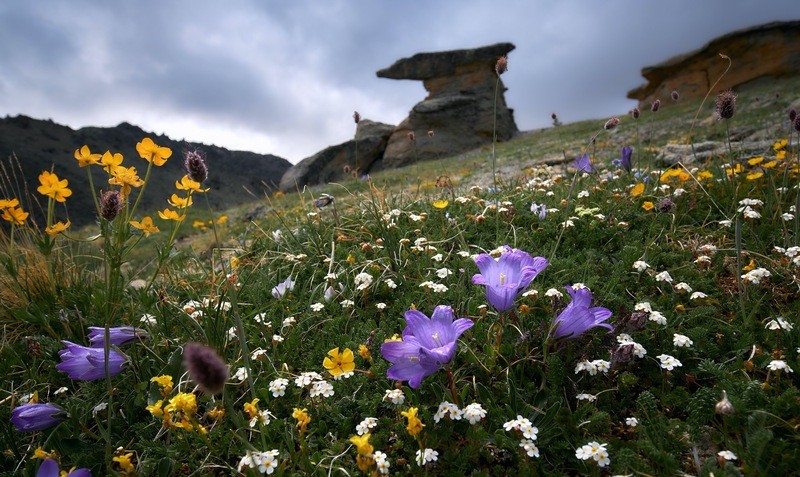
(459,109)
(772,50)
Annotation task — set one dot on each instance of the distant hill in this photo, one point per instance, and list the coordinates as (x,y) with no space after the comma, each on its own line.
(43,144)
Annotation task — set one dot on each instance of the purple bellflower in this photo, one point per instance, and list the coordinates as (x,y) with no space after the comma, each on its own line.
(506,277)
(578,317)
(428,344)
(119,335)
(35,417)
(49,468)
(88,364)
(280,290)
(583,164)
(624,161)
(540,210)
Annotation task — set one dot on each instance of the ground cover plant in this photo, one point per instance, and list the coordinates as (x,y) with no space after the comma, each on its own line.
(607,314)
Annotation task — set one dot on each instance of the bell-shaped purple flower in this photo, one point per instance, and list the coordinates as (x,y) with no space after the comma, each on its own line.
(506,277)
(49,468)
(36,417)
(624,161)
(283,288)
(583,163)
(428,344)
(119,335)
(579,316)
(88,364)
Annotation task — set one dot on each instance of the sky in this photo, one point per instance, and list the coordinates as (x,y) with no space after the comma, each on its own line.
(284,77)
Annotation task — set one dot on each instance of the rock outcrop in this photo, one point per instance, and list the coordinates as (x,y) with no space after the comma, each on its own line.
(771,50)
(459,109)
(335,162)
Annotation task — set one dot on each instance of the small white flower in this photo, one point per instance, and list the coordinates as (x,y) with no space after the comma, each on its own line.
(474,413)
(787,217)
(727,455)
(726,223)
(778,365)
(317,307)
(363,280)
(632,421)
(381,462)
(288,322)
(396,396)
(678,192)
(240,374)
(148,320)
(640,265)
(791,252)
(232,333)
(380,306)
(658,317)
(532,292)
(428,455)
(553,293)
(364,426)
(278,387)
(756,275)
(664,277)
(624,337)
(702,259)
(568,223)
(60,390)
(443,273)
(100,407)
(683,287)
(583,193)
(307,378)
(390,283)
(258,353)
(681,341)
(530,447)
(668,362)
(277,339)
(779,323)
(261,417)
(579,286)
(698,296)
(751,202)
(321,388)
(437,258)
(447,408)
(586,397)
(644,307)
(750,213)
(347,303)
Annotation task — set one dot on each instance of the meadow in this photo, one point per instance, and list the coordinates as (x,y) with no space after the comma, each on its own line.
(564,304)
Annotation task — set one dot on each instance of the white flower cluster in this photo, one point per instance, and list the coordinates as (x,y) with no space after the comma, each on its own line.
(779,365)
(593,367)
(792,253)
(381,462)
(756,275)
(278,387)
(655,316)
(668,362)
(364,426)
(625,339)
(395,396)
(425,456)
(447,408)
(529,434)
(663,277)
(435,287)
(640,265)
(594,450)
(363,280)
(265,462)
(321,388)
(305,379)
(681,341)
(779,323)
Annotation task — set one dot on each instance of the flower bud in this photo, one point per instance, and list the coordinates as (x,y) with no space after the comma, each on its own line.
(726,104)
(724,406)
(635,113)
(674,95)
(797,123)
(110,204)
(665,205)
(611,124)
(205,367)
(195,165)
(656,104)
(356,117)
(792,115)
(501,66)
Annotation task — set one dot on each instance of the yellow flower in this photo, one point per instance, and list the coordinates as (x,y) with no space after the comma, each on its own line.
(364,352)
(185,403)
(235,261)
(750,266)
(146,226)
(57,228)
(440,204)
(779,145)
(338,363)
(780,155)
(124,462)
(199,224)
(394,337)
(303,419)
(769,165)
(85,157)
(111,161)
(754,175)
(187,184)
(8,203)
(735,170)
(180,202)
(169,214)
(251,408)
(155,408)
(222,219)
(676,172)
(151,152)
(217,413)
(15,215)
(637,189)
(53,187)
(648,205)
(704,175)
(278,194)
(125,177)
(164,382)
(40,453)
(351,259)
(414,424)
(362,444)
(755,160)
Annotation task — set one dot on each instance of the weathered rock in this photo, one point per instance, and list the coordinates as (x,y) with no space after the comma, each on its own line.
(674,153)
(459,108)
(335,162)
(769,50)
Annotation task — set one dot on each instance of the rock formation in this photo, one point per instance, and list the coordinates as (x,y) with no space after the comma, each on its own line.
(459,108)
(771,50)
(331,163)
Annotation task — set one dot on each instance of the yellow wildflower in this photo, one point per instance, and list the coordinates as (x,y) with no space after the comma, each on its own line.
(251,408)
(394,337)
(222,219)
(53,187)
(779,145)
(199,224)
(111,161)
(125,177)
(638,189)
(735,170)
(85,157)
(164,382)
(180,202)
(754,175)
(15,215)
(362,444)
(187,184)
(339,363)
(780,155)
(440,204)
(155,408)
(414,424)
(217,413)
(40,453)
(364,352)
(124,462)
(57,228)
(769,165)
(750,266)
(704,175)
(8,203)
(169,214)
(676,172)
(146,225)
(303,419)
(151,152)
(648,205)
(185,403)
(235,261)
(754,161)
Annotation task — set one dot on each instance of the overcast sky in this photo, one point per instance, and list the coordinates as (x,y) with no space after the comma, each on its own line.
(284,77)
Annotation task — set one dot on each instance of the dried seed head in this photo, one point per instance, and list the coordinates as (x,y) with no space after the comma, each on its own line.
(797,123)
(110,204)
(792,114)
(410,135)
(623,354)
(356,117)
(195,164)
(554,116)
(674,95)
(611,124)
(656,104)
(724,406)
(635,113)
(430,132)
(726,104)
(637,321)
(205,367)
(346,169)
(501,66)
(665,205)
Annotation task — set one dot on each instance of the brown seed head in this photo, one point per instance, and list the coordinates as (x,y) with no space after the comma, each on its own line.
(724,406)
(611,124)
(674,95)
(665,205)
(195,164)
(797,123)
(110,204)
(792,114)
(410,135)
(430,132)
(356,117)
(205,367)
(726,104)
(655,106)
(501,66)
(635,113)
